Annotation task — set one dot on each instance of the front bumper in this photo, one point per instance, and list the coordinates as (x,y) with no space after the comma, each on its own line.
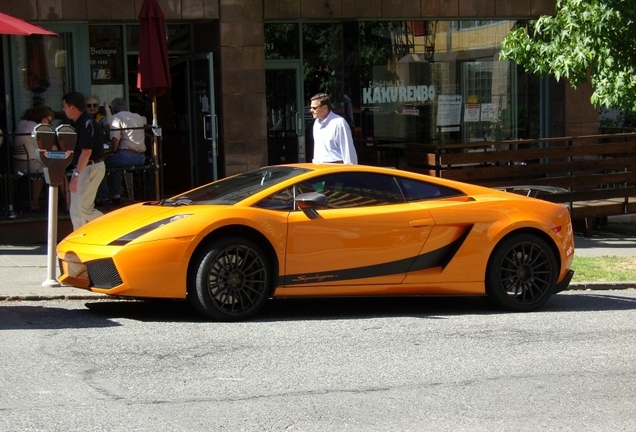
(154,269)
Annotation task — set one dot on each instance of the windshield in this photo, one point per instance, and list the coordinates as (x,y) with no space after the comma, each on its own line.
(234,189)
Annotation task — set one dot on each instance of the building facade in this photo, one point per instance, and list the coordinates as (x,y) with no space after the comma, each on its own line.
(416,71)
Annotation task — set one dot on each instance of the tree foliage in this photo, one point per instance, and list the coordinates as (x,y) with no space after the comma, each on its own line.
(585,36)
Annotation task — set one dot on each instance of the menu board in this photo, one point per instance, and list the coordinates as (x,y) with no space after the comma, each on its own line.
(106,55)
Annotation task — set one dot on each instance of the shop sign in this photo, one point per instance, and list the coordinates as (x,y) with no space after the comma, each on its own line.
(106,60)
(471,112)
(449,110)
(488,112)
(391,93)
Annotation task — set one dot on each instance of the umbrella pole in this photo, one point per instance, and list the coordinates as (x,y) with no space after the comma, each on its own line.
(155,147)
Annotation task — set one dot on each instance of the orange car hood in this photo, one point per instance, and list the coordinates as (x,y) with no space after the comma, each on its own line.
(115,224)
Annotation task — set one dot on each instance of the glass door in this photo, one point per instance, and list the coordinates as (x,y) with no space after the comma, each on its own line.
(204,137)
(285,112)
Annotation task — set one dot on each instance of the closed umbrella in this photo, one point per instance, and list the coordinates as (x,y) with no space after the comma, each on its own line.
(14,26)
(153,68)
(37,72)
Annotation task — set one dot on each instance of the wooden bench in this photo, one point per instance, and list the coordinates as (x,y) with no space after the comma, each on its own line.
(595,176)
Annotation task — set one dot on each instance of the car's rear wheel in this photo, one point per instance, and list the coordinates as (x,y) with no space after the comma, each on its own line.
(522,273)
(231,279)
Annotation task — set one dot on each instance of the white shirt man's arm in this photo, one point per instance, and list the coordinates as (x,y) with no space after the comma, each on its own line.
(115,132)
(349,155)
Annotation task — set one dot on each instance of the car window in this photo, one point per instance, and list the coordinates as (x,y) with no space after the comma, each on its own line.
(234,189)
(347,190)
(281,200)
(415,190)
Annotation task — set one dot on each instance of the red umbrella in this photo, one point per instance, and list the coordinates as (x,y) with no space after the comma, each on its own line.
(153,76)
(153,68)
(37,72)
(15,26)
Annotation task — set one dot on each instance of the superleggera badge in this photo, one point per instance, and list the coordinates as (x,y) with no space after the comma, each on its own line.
(316,278)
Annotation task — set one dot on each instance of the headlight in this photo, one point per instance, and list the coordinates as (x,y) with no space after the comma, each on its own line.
(125,239)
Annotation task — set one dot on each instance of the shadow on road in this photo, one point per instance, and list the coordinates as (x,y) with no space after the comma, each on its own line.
(45,316)
(590,301)
(104,313)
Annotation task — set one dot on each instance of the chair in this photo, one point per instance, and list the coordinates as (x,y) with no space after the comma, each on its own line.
(140,178)
(19,152)
(6,195)
(137,181)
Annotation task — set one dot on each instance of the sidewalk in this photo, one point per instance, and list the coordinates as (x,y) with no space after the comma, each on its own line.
(23,268)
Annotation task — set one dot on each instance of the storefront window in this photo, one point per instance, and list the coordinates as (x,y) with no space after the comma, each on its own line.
(422,81)
(282,41)
(45,71)
(107,61)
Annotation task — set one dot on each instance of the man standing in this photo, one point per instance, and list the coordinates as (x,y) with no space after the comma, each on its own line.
(333,142)
(127,135)
(88,160)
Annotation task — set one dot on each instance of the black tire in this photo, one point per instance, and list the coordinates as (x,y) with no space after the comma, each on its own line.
(231,280)
(522,273)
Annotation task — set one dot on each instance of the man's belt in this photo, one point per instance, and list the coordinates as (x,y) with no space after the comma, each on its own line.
(133,151)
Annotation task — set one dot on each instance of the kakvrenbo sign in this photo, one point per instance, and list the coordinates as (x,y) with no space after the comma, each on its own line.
(379,92)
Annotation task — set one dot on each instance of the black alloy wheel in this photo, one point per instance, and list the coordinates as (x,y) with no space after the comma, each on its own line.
(231,280)
(522,273)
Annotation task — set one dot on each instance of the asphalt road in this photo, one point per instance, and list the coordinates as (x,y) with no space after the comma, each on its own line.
(406,364)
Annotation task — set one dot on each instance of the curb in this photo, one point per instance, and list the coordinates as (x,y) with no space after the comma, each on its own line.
(600,286)
(30,297)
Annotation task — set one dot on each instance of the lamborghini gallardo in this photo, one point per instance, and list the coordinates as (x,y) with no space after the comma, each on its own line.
(325,230)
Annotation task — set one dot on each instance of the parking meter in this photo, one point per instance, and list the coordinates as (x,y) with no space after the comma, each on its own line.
(55,153)
(55,150)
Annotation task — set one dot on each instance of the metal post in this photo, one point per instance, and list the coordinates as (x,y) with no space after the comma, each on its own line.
(51,280)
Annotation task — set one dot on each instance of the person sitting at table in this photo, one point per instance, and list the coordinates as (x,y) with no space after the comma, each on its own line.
(128,148)
(25,161)
(92,107)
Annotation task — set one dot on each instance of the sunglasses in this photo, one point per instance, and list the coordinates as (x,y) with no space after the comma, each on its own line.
(92,105)
(314,108)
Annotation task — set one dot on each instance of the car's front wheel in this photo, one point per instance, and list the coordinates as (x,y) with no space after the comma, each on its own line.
(230,279)
(522,273)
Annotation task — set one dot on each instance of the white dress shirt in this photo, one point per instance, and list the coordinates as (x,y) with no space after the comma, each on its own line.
(128,138)
(333,141)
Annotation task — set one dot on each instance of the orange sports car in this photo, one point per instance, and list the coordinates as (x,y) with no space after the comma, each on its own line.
(325,230)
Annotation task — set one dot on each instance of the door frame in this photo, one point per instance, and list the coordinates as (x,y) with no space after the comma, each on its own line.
(296,65)
(209,128)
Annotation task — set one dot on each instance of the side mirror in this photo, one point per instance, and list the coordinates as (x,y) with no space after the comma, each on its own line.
(309,202)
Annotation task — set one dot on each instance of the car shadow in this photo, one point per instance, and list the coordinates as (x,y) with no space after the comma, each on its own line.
(586,301)
(147,310)
(370,307)
(294,309)
(43,316)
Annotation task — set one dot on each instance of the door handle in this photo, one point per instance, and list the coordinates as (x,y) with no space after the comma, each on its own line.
(422,222)
(215,137)
(299,123)
(207,126)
